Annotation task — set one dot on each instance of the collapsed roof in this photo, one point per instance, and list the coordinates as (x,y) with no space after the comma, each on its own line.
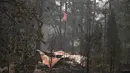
(51,59)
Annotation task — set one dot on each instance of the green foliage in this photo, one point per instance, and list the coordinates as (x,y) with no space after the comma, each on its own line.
(19,26)
(122,10)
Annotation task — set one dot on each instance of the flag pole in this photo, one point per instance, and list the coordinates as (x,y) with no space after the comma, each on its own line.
(65,20)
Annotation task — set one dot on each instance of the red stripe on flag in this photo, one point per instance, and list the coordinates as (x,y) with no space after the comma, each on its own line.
(65,17)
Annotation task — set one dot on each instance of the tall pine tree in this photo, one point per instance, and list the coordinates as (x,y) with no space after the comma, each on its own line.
(113,41)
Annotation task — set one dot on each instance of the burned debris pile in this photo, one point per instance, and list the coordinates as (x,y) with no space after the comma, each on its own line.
(61,62)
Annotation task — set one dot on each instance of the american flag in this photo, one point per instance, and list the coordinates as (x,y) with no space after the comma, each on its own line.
(65,17)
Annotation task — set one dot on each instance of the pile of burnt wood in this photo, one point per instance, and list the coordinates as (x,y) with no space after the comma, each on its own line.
(61,62)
